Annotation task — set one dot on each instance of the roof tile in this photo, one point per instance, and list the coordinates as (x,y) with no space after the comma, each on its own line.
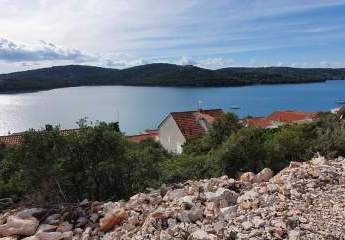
(188,121)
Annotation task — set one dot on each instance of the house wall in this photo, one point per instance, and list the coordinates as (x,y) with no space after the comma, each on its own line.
(170,136)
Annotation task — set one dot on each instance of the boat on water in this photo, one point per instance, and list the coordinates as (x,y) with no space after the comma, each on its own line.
(340,102)
(234,107)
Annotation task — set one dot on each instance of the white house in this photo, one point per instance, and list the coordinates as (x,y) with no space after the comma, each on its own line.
(179,127)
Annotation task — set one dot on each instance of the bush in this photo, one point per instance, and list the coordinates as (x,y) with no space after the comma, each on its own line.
(184,167)
(243,151)
(94,162)
(289,143)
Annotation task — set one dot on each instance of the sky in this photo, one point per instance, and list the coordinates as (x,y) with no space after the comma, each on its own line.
(209,34)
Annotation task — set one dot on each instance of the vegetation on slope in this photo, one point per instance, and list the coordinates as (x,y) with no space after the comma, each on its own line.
(99,163)
(159,74)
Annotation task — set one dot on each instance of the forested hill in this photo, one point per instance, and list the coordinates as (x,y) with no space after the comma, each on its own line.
(160,74)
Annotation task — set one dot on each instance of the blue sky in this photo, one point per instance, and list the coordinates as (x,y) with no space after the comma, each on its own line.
(210,34)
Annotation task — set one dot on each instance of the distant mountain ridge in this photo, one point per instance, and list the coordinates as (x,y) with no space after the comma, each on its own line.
(160,74)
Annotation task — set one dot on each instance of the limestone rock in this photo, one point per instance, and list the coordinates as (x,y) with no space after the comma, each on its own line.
(263,176)
(64,227)
(18,226)
(49,236)
(113,218)
(195,214)
(303,201)
(86,234)
(228,211)
(46,228)
(247,225)
(230,197)
(31,212)
(187,201)
(247,177)
(211,211)
(249,200)
(294,235)
(67,235)
(199,235)
(258,222)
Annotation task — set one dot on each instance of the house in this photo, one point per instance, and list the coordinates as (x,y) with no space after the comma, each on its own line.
(179,127)
(17,138)
(279,118)
(11,140)
(147,134)
(292,117)
(335,110)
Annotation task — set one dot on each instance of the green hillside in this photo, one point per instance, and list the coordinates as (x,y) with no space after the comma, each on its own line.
(159,74)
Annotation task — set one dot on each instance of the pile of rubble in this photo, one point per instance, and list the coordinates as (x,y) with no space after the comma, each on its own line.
(303,201)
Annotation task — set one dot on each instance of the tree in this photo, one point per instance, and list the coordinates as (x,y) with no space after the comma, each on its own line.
(183,167)
(144,165)
(223,127)
(243,151)
(289,143)
(95,162)
(34,164)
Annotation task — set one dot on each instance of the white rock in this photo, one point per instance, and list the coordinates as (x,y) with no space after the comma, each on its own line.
(263,176)
(228,211)
(258,222)
(222,194)
(247,177)
(187,201)
(249,200)
(18,226)
(247,225)
(199,235)
(294,235)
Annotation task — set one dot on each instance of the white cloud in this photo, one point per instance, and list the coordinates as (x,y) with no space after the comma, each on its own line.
(142,25)
(215,63)
(186,61)
(122,33)
(41,51)
(121,60)
(279,64)
(325,64)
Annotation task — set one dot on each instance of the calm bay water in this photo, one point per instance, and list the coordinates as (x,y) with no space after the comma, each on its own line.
(139,108)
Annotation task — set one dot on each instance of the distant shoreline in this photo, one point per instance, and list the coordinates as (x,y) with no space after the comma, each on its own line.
(14,92)
(160,75)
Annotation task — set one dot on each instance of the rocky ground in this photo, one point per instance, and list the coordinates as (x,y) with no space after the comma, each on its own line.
(303,201)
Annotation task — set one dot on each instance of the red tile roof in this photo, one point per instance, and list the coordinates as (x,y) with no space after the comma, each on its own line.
(11,140)
(291,116)
(147,134)
(284,117)
(16,138)
(154,132)
(260,122)
(188,121)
